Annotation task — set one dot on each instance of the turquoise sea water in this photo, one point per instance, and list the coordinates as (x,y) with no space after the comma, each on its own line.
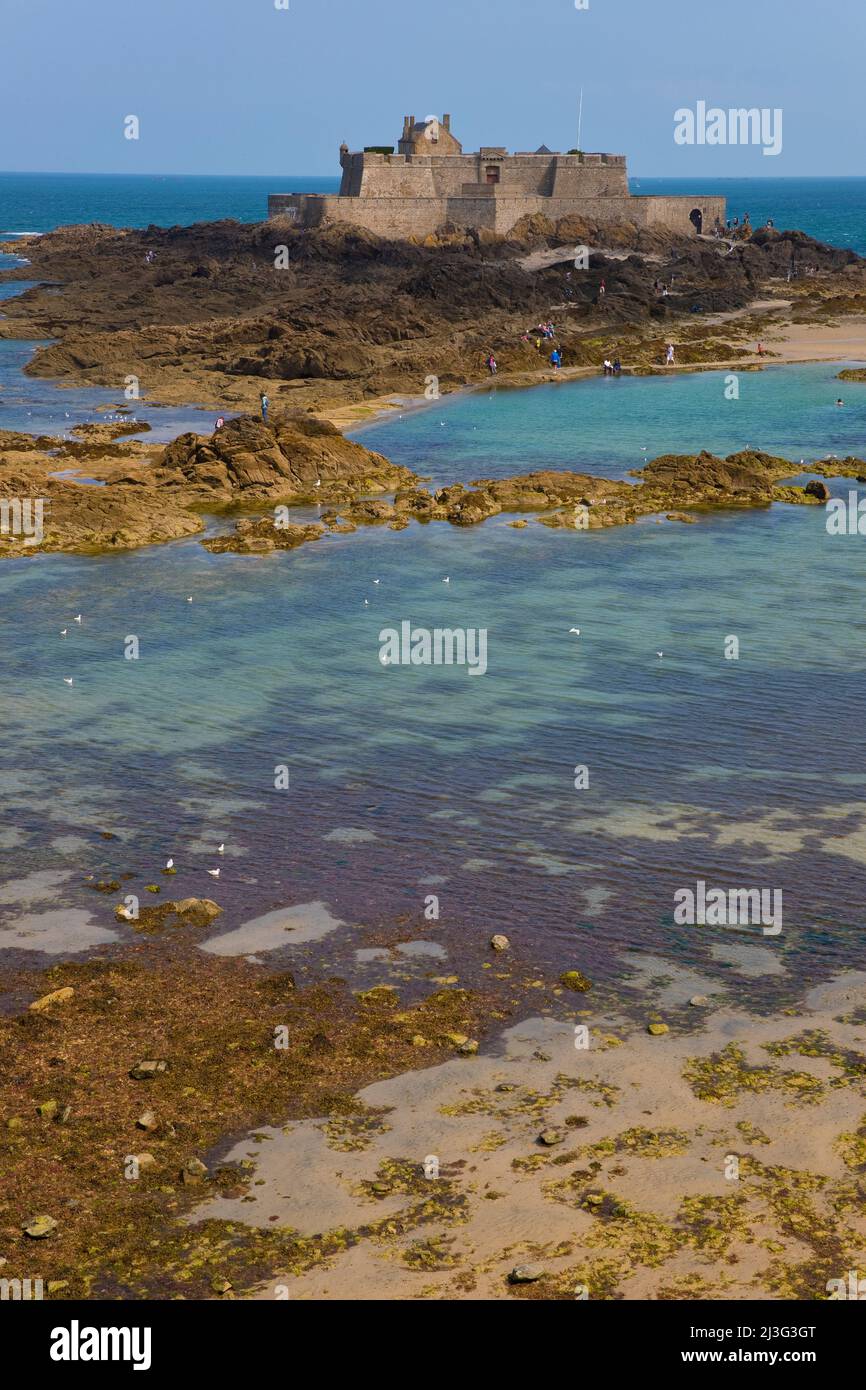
(833,210)
(611,425)
(412,780)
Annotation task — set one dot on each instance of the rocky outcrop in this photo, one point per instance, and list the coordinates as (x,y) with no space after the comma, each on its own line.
(209,318)
(139,496)
(293,458)
(568,501)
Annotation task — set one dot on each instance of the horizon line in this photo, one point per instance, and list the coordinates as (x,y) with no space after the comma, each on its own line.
(163,174)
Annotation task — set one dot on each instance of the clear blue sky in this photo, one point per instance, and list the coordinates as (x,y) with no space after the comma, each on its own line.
(237,86)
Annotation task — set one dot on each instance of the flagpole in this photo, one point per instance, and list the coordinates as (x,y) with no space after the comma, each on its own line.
(579,118)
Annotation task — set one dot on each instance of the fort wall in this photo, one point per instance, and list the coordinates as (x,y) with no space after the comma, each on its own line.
(430,182)
(419,216)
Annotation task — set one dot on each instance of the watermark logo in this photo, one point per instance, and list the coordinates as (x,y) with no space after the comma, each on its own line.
(732,907)
(852,1286)
(423,646)
(737,126)
(23,516)
(846,516)
(21,1290)
(77,1343)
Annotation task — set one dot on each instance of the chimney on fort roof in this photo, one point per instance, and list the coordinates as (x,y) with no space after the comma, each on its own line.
(446,121)
(406,127)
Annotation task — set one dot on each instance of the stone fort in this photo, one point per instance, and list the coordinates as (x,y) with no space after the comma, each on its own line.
(429,182)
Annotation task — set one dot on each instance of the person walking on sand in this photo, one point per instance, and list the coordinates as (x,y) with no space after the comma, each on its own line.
(264,404)
(491,363)
(556,359)
(760,349)
(669,356)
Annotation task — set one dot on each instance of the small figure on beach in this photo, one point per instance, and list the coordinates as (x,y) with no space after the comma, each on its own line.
(608,367)
(760,349)
(264,404)
(602,290)
(220,422)
(491,363)
(556,359)
(669,355)
(617,367)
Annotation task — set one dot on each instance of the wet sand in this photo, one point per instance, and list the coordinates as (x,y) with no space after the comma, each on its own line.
(724,1163)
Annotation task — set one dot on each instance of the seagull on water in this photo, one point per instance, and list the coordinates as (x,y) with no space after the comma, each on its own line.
(78,619)
(446,580)
(221,849)
(214,873)
(67,680)
(63,631)
(169,863)
(575,630)
(377,581)
(189,599)
(659,655)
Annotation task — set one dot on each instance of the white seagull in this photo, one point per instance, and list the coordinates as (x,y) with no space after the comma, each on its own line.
(67,680)
(214,873)
(575,630)
(659,655)
(446,580)
(63,632)
(78,619)
(377,581)
(221,849)
(169,863)
(189,600)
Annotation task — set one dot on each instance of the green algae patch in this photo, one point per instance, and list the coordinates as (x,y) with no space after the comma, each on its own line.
(752,1133)
(643,1143)
(852,1147)
(723,1076)
(597,1280)
(816,1043)
(513,1103)
(355,1126)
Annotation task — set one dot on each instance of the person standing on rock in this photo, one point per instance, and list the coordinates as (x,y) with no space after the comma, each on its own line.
(265,403)
(669,358)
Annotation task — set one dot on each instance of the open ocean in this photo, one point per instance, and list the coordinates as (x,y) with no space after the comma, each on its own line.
(833,210)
